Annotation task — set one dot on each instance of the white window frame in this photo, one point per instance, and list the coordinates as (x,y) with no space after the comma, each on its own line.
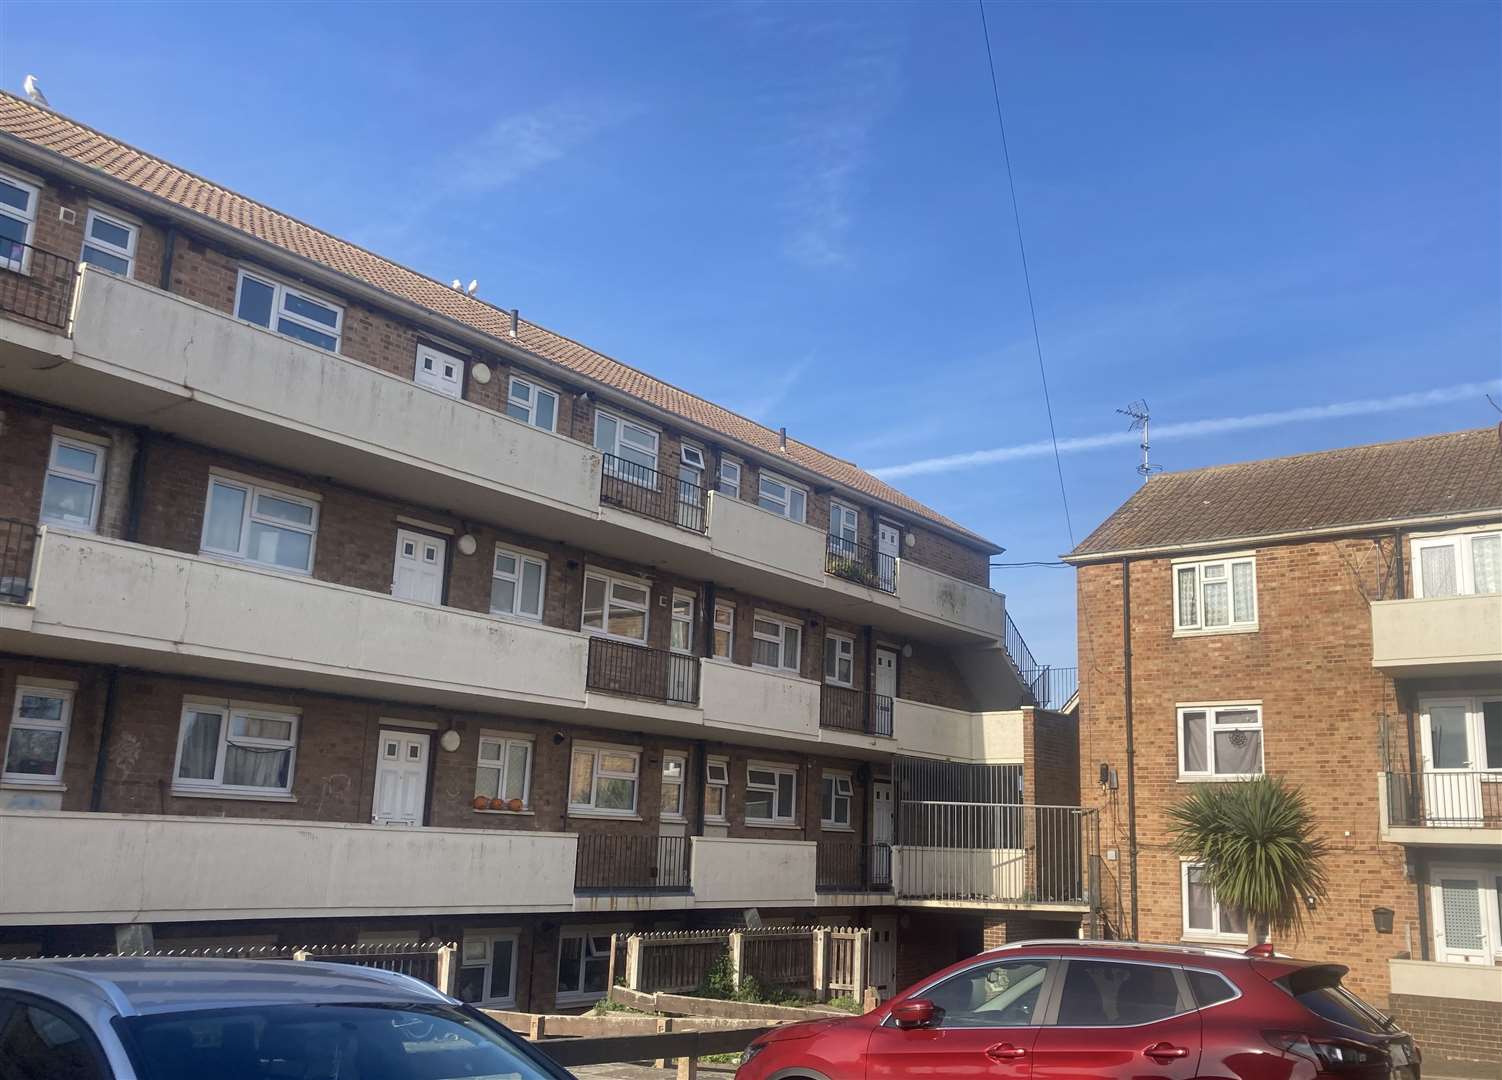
(597,774)
(128,253)
(783,625)
(1211,710)
(437,385)
(280,290)
(778,770)
(529,408)
(1489,897)
(676,620)
(730,467)
(681,759)
(717,775)
(693,457)
(523,558)
(842,789)
(1475,718)
(506,740)
(228,710)
(844,514)
(587,951)
(488,940)
(630,476)
(727,627)
(95,480)
(1465,566)
(844,650)
(27,218)
(611,580)
(58,692)
(1200,933)
(1199,566)
(782,505)
(252,491)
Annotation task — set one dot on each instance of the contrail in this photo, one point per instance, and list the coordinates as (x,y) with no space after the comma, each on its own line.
(1193,429)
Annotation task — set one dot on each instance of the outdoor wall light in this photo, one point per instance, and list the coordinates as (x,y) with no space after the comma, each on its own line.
(1311,903)
(480,373)
(1382,920)
(468,545)
(449,740)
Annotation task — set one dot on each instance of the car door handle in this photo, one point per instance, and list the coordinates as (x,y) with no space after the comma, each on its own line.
(1005,1052)
(1165,1050)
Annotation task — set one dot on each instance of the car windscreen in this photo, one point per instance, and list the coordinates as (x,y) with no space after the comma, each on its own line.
(325,1042)
(1318,989)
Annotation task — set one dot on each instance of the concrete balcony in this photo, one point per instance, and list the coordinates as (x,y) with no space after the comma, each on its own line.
(933,731)
(146,868)
(781,707)
(742,873)
(1447,635)
(1446,808)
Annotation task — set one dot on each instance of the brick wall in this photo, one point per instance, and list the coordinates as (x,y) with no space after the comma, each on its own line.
(1005,928)
(1050,758)
(1451,1029)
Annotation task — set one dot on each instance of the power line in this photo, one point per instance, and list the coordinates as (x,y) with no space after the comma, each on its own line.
(1026,275)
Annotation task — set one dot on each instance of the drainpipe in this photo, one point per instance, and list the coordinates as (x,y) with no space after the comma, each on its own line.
(169,251)
(137,493)
(106,727)
(701,753)
(1131,749)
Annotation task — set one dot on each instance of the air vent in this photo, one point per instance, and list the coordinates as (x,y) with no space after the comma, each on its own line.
(67,215)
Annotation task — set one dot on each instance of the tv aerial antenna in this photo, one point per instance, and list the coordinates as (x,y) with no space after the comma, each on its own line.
(1141,421)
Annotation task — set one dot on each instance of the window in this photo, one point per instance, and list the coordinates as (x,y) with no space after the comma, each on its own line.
(1216,595)
(839,659)
(583,965)
(1203,917)
(260,525)
(75,476)
(730,478)
(504,770)
(43,1042)
(487,970)
(236,747)
(692,456)
(771,795)
(532,404)
(1220,741)
(632,449)
(18,212)
(1460,565)
(724,630)
(38,743)
(602,780)
(1004,994)
(844,526)
(517,583)
(109,243)
(288,310)
(782,497)
(1113,993)
(716,784)
(616,607)
(776,643)
(674,768)
(682,640)
(835,795)
(439,371)
(1459,733)
(1209,987)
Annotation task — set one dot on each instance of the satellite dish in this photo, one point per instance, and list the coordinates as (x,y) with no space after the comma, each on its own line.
(34,92)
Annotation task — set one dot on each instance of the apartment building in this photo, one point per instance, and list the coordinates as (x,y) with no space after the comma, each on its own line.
(1335,619)
(337,605)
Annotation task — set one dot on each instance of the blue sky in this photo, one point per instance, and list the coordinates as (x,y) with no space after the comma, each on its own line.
(800,210)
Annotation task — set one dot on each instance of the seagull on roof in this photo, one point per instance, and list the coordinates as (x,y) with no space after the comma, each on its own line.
(34,92)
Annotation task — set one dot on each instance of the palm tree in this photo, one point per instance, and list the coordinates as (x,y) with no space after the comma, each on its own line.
(1255,839)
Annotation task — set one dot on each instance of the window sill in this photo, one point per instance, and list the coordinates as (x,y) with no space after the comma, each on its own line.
(829,826)
(505,813)
(753,823)
(233,560)
(1207,938)
(597,815)
(1217,631)
(243,796)
(32,785)
(579,999)
(1218,779)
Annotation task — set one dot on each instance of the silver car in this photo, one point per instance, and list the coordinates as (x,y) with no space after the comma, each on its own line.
(159,1018)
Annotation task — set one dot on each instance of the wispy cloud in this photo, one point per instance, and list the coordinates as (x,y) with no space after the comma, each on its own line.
(521,143)
(1196,429)
(771,393)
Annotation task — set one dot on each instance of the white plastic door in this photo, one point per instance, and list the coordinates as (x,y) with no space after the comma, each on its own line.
(883,971)
(1464,902)
(418,573)
(888,547)
(401,778)
(439,371)
(883,833)
(1450,735)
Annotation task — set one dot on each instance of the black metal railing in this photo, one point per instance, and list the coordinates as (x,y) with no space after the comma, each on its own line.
(1052,687)
(1445,799)
(610,862)
(619,667)
(36,284)
(860,563)
(1022,656)
(845,709)
(18,545)
(847,866)
(652,494)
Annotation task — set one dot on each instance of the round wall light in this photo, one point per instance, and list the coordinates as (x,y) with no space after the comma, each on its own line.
(480,373)
(449,740)
(468,545)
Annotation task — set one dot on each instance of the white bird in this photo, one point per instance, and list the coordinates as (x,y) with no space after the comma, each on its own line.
(455,284)
(474,286)
(34,92)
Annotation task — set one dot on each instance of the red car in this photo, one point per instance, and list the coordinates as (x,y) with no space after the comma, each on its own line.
(1077,1010)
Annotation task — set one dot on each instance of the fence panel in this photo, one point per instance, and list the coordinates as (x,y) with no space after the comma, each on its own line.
(677,965)
(781,960)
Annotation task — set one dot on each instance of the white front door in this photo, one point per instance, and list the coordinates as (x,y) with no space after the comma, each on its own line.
(888,546)
(883,833)
(1451,738)
(401,778)
(885,677)
(439,371)
(682,667)
(883,971)
(419,567)
(1463,900)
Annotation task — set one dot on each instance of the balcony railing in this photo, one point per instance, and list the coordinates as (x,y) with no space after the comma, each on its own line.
(994,851)
(844,709)
(1445,799)
(847,866)
(619,667)
(860,563)
(1052,687)
(612,863)
(18,543)
(652,494)
(36,284)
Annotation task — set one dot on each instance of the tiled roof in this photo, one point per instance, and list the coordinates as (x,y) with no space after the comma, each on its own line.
(1435,476)
(82,144)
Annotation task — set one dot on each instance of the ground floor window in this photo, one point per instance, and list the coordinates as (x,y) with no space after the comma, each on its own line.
(583,965)
(1204,916)
(487,971)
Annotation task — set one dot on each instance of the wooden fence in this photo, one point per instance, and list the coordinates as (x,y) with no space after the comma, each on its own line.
(814,960)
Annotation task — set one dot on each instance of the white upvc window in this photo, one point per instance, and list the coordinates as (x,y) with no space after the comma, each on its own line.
(1218,742)
(235,747)
(1204,917)
(1215,594)
(438,370)
(532,403)
(487,969)
(1460,564)
(776,642)
(839,659)
(632,448)
(518,582)
(836,795)
(583,966)
(604,780)
(261,525)
(288,309)
(109,242)
(771,794)
(18,214)
(74,482)
(716,788)
(730,477)
(692,457)
(844,525)
(724,629)
(674,770)
(681,638)
(37,747)
(782,497)
(504,768)
(615,606)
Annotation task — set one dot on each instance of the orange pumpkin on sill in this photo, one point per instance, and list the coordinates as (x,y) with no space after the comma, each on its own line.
(480,802)
(514,805)
(498,804)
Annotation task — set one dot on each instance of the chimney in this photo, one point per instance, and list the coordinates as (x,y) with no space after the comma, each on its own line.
(782,438)
(515,313)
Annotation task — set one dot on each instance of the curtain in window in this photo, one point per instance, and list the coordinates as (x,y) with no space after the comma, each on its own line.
(1439,570)
(200,746)
(1243,603)
(1201,901)
(1188,601)
(1486,563)
(1217,604)
(1195,747)
(1238,753)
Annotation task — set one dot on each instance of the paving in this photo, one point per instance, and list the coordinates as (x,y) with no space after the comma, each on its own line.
(645,1072)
